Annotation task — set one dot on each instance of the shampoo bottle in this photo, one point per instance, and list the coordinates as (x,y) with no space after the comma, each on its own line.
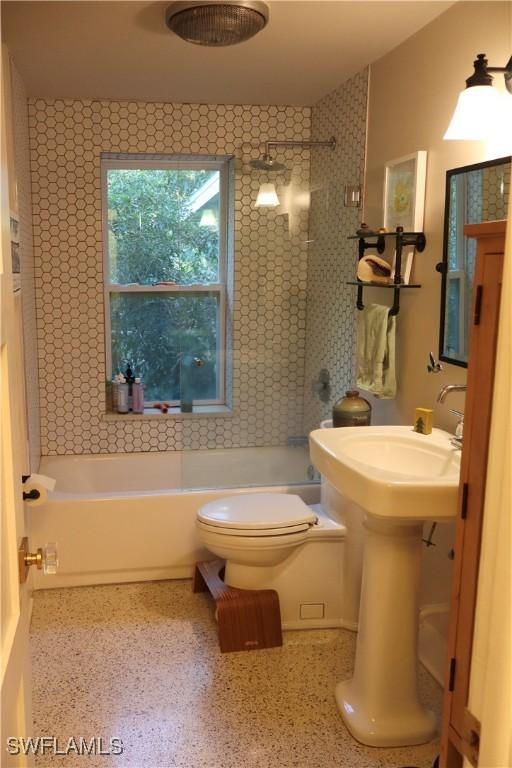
(138,396)
(122,396)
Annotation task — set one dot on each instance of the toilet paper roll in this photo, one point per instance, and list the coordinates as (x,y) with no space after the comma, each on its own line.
(40,483)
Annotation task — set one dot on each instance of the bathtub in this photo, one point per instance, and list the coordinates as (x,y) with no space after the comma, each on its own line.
(131,517)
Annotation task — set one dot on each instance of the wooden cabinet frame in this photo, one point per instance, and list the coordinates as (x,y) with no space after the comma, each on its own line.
(460,729)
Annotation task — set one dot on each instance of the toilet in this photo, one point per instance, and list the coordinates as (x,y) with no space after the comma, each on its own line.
(276,541)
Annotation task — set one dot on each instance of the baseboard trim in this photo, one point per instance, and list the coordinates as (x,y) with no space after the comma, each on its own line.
(320,624)
(62,580)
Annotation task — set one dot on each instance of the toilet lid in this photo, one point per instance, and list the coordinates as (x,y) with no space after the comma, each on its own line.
(257,511)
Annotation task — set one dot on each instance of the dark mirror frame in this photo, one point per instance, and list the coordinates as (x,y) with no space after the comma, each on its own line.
(443,266)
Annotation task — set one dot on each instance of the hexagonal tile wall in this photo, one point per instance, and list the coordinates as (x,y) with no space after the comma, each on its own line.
(269,273)
(493,206)
(331,312)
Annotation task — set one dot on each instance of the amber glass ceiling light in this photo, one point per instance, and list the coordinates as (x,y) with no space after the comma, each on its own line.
(479,108)
(217,23)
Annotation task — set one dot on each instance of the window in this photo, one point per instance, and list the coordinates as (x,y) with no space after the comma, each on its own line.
(165,230)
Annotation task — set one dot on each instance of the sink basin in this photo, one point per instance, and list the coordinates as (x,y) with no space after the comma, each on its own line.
(391,471)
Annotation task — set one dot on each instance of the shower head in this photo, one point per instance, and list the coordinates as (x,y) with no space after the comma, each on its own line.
(267,163)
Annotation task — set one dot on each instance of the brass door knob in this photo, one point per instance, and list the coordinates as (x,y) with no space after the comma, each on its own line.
(31,558)
(44,558)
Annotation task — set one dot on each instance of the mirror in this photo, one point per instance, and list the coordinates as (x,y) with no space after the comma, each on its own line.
(474,193)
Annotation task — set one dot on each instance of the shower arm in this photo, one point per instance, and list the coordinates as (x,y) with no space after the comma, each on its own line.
(331,144)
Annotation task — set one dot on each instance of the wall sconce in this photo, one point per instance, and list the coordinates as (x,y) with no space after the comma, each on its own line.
(352,196)
(479,108)
(267,197)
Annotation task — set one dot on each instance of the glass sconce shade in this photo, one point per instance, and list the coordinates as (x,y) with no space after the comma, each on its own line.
(267,197)
(476,114)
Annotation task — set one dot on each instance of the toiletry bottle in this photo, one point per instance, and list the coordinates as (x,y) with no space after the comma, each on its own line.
(351,411)
(138,396)
(122,396)
(130,378)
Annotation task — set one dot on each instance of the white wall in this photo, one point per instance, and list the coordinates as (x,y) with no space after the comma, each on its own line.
(413,91)
(28,288)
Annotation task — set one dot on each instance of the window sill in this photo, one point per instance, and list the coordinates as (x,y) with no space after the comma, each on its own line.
(201,411)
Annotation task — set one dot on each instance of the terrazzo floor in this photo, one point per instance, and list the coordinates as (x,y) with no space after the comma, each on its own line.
(140,662)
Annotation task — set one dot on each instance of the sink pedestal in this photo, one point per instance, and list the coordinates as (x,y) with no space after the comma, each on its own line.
(400,478)
(379,704)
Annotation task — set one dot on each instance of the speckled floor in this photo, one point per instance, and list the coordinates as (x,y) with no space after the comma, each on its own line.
(140,662)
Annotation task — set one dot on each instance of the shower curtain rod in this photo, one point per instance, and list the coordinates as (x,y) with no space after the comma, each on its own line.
(331,144)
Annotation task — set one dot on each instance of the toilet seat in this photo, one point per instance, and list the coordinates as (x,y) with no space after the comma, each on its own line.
(256,514)
(259,532)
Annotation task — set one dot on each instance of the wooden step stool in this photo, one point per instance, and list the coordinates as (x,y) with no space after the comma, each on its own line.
(248,619)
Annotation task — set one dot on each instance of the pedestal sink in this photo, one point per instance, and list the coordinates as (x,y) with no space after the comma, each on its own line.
(400,479)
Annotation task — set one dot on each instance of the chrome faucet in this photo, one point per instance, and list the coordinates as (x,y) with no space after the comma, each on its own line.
(459,429)
(441,397)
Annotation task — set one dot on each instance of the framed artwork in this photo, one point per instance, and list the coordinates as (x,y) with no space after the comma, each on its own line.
(404,199)
(404,192)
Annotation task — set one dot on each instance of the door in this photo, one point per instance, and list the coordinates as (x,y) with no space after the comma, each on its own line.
(461,730)
(16,716)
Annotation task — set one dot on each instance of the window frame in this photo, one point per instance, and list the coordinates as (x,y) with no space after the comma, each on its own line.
(219,288)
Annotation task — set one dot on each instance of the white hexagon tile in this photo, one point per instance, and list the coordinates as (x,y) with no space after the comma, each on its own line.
(331,314)
(267,334)
(271,363)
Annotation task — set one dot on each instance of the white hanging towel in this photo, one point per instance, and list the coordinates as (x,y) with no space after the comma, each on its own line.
(376,351)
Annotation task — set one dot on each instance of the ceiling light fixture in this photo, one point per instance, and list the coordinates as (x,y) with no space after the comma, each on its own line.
(213,23)
(479,107)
